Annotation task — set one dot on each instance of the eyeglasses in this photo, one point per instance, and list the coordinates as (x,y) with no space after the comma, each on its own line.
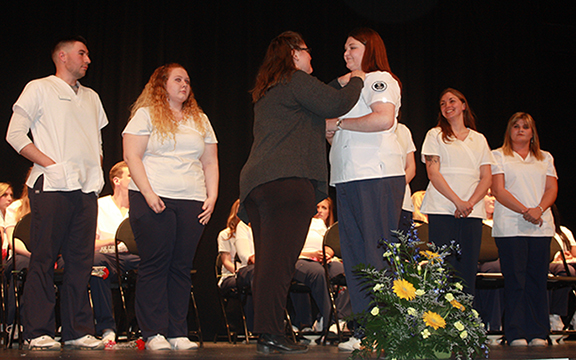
(308,50)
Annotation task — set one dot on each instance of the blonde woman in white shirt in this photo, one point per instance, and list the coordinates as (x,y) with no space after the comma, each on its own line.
(458,163)
(171,151)
(525,186)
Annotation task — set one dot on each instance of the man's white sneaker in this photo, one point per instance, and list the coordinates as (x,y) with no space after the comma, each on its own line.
(44,342)
(350,345)
(109,336)
(86,342)
(158,342)
(182,343)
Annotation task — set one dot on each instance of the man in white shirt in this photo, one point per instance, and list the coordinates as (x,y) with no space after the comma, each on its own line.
(112,210)
(65,119)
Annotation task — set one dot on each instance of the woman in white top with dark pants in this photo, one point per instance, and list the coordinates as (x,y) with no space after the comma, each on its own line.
(458,163)
(367,164)
(525,186)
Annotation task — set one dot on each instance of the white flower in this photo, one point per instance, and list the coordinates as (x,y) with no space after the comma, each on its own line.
(459,286)
(425,334)
(419,268)
(464,334)
(449,297)
(475,312)
(458,325)
(388,253)
(377,287)
(412,311)
(440,270)
(420,292)
(375,311)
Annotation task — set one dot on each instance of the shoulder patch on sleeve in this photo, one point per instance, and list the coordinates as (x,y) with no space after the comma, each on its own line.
(379,86)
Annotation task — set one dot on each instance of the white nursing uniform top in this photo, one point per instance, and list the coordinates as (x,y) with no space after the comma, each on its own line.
(405,139)
(173,166)
(315,237)
(66,127)
(368,155)
(109,219)
(525,179)
(460,163)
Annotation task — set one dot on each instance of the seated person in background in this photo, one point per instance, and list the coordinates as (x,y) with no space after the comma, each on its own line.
(558,299)
(112,210)
(489,302)
(309,270)
(6,198)
(420,220)
(237,235)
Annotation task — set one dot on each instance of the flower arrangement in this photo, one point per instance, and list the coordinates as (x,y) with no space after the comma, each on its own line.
(419,311)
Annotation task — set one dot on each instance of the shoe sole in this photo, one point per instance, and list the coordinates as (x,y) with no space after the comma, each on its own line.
(45,348)
(80,347)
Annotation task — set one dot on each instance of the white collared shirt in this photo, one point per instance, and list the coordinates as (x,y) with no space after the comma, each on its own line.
(66,127)
(460,163)
(359,155)
(525,179)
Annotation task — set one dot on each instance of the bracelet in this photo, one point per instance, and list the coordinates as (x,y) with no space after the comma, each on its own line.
(339,124)
(540,207)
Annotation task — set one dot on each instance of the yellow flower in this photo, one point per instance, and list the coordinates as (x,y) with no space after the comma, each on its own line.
(458,325)
(412,311)
(434,320)
(425,334)
(430,255)
(404,290)
(449,297)
(464,334)
(457,305)
(459,286)
(375,311)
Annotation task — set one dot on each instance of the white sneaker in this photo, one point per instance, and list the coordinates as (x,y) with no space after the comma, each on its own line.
(318,325)
(86,342)
(538,342)
(182,343)
(158,342)
(556,323)
(350,345)
(519,342)
(44,342)
(109,336)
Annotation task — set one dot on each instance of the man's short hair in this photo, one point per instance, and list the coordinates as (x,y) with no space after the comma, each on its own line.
(66,41)
(117,171)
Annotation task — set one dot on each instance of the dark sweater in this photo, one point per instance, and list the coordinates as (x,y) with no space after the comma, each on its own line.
(289,133)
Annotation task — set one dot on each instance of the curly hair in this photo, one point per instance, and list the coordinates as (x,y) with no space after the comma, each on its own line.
(233,219)
(468,114)
(278,65)
(155,98)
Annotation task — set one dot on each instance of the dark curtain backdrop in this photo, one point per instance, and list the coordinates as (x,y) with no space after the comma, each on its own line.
(505,56)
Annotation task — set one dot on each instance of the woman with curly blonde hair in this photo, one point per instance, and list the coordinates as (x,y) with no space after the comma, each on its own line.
(170,148)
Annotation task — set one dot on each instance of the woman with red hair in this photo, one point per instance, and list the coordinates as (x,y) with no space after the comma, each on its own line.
(367,165)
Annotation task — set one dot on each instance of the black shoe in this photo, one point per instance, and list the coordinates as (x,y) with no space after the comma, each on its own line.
(268,344)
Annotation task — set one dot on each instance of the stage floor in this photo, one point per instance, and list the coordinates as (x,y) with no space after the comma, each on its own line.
(223,350)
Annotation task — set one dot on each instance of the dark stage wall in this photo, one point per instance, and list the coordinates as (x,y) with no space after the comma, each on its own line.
(505,56)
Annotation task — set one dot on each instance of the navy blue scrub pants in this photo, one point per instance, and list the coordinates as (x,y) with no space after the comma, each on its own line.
(367,212)
(62,223)
(524,261)
(166,243)
(466,232)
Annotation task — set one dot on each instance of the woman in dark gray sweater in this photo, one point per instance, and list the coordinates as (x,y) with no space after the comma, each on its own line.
(286,174)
